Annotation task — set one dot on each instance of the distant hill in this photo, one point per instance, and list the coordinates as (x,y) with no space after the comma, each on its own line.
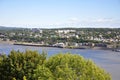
(18,28)
(4,28)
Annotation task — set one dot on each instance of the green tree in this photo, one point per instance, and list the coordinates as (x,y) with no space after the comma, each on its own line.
(31,65)
(75,67)
(18,64)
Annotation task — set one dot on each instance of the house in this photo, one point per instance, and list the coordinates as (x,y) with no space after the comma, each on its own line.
(37,30)
(66,31)
(2,35)
(59,45)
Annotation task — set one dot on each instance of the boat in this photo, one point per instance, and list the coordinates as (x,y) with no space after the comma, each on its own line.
(116,50)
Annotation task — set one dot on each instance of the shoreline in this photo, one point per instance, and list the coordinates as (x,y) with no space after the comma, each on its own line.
(68,47)
(7,42)
(41,45)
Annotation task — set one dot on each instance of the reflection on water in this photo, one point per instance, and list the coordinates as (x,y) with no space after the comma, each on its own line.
(108,60)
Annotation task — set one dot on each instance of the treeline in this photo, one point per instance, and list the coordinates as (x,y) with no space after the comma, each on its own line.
(51,36)
(31,65)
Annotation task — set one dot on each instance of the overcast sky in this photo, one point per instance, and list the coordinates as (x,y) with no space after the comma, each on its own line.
(60,13)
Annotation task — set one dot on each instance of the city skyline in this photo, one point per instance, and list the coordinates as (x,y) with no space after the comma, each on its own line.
(60,13)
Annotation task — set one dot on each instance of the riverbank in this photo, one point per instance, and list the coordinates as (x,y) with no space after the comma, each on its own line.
(42,45)
(67,47)
(31,44)
(7,42)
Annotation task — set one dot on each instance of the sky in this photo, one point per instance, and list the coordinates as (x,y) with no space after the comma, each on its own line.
(60,13)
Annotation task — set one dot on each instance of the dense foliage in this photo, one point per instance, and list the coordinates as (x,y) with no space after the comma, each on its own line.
(31,65)
(51,36)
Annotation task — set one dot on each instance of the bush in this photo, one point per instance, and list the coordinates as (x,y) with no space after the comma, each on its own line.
(32,65)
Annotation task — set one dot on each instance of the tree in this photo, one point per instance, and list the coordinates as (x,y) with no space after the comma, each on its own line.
(31,65)
(75,67)
(18,64)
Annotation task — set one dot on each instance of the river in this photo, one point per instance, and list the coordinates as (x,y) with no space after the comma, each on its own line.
(108,60)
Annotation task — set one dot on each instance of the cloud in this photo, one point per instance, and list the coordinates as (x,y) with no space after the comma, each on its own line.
(76,22)
(95,23)
(105,20)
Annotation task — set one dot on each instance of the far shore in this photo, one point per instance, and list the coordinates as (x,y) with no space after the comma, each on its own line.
(7,42)
(68,47)
(40,45)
